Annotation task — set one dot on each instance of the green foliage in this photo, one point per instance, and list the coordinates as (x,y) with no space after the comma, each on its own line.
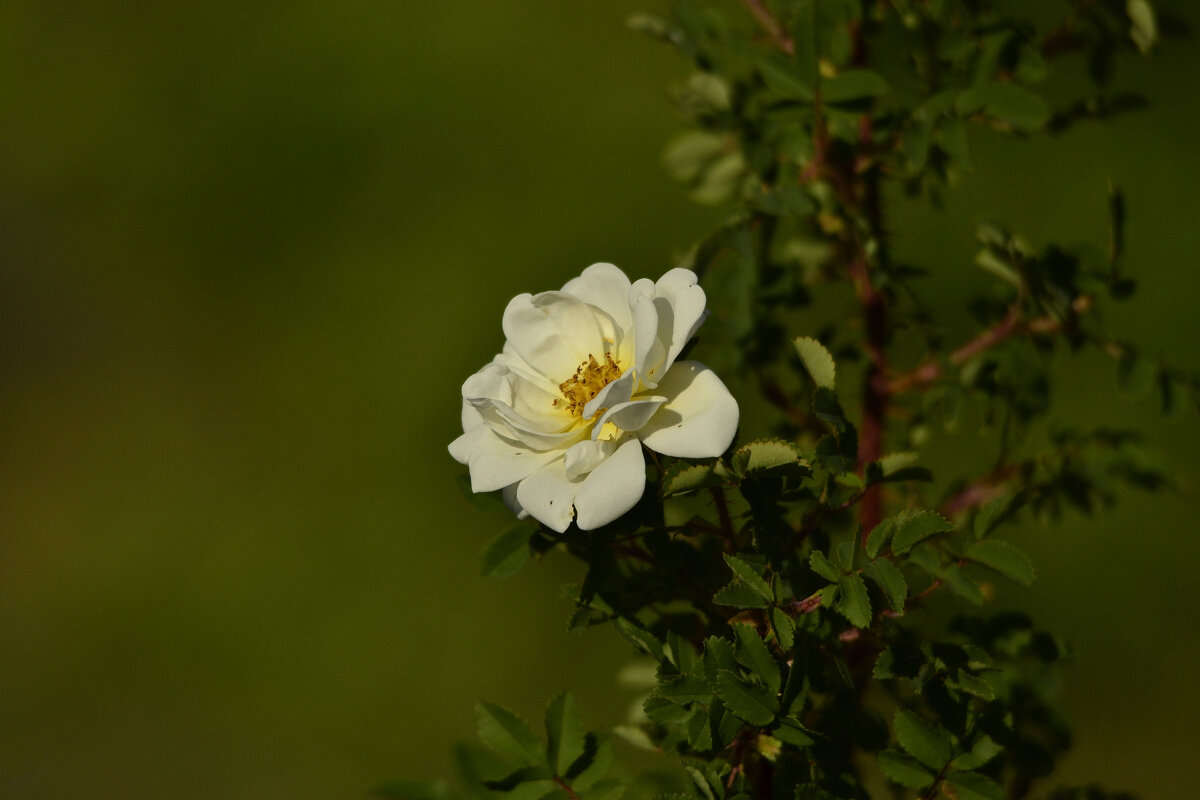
(778,591)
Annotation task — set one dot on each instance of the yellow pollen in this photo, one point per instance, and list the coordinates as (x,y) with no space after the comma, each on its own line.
(590,377)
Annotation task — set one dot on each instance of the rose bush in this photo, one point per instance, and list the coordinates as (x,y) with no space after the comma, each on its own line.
(587,376)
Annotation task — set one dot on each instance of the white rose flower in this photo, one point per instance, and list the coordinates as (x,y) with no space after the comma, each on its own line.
(587,376)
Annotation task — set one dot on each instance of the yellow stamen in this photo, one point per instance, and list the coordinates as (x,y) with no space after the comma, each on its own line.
(590,377)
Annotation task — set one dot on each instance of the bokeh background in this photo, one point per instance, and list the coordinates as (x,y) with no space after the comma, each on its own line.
(248,253)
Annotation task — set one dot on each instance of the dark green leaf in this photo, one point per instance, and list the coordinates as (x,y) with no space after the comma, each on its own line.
(962,585)
(975,685)
(564,733)
(752,703)
(981,753)
(611,789)
(904,770)
(739,595)
(890,580)
(973,786)
(791,733)
(929,745)
(853,603)
(1004,558)
(507,552)
(785,78)
(996,512)
(685,477)
(817,361)
(642,640)
(508,734)
(685,690)
(753,652)
(879,536)
(853,84)
(915,525)
(1020,108)
(784,628)
(750,577)
(823,566)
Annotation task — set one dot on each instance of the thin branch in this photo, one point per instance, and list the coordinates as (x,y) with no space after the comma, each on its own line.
(1011,325)
(766,20)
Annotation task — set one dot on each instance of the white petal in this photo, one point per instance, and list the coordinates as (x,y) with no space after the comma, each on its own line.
(698,420)
(612,488)
(606,287)
(494,462)
(553,332)
(583,457)
(547,496)
(629,416)
(470,417)
(619,391)
(679,289)
(509,495)
(649,350)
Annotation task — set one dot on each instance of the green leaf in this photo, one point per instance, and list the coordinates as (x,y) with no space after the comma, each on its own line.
(904,770)
(739,595)
(685,690)
(763,455)
(595,764)
(973,786)
(931,746)
(962,585)
(612,789)
(823,566)
(853,84)
(784,628)
(1003,558)
(699,730)
(689,152)
(685,477)
(1022,109)
(975,685)
(791,733)
(916,525)
(1136,375)
(817,361)
(1144,31)
(853,603)
(642,640)
(996,512)
(564,733)
(508,734)
(753,652)
(751,703)
(984,750)
(890,580)
(749,576)
(879,536)
(785,78)
(506,553)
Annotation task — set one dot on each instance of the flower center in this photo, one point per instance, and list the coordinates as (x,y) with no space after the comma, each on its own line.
(590,377)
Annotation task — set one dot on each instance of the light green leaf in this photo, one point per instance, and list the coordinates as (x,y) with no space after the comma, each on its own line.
(763,455)
(1020,108)
(689,152)
(904,770)
(853,84)
(752,703)
(973,786)
(508,734)
(817,361)
(853,603)
(791,733)
(915,525)
(929,745)
(753,652)
(996,512)
(1003,558)
(506,553)
(686,477)
(1144,31)
(749,576)
(719,179)
(739,595)
(564,733)
(890,580)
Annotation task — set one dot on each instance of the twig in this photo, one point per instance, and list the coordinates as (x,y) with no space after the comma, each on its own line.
(771,26)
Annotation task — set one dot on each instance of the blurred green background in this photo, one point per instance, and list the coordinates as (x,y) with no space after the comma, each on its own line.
(248,253)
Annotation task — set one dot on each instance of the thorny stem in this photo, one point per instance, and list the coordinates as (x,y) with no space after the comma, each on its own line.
(1005,329)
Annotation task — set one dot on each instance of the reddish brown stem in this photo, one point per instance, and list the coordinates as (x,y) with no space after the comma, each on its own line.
(770,25)
(566,787)
(718,494)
